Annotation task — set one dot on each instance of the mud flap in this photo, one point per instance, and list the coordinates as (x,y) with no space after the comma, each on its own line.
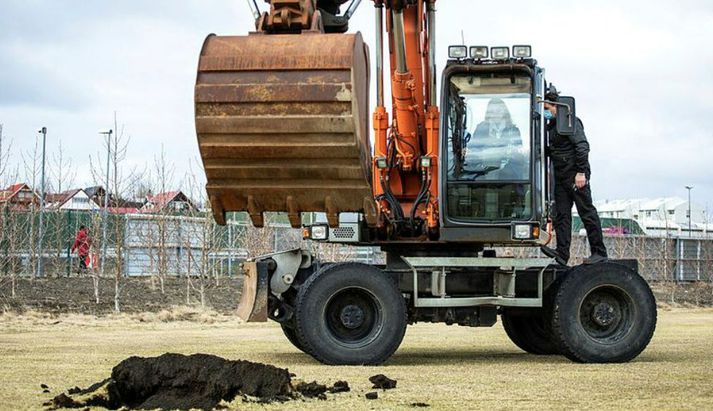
(253,299)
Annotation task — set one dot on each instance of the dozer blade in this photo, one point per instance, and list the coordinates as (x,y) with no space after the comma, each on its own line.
(253,300)
(282,124)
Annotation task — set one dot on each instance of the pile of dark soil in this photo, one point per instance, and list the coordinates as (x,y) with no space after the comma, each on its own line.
(199,381)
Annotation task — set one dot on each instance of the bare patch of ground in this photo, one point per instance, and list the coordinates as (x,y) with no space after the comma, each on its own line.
(698,294)
(143,297)
(138,295)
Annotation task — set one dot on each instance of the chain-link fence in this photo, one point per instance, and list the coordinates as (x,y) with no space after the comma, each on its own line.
(173,245)
(660,259)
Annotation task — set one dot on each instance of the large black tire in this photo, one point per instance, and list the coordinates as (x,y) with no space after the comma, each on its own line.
(529,331)
(291,335)
(603,313)
(350,314)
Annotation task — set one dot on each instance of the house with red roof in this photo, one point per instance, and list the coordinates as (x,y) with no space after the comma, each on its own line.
(19,197)
(123,210)
(76,199)
(168,202)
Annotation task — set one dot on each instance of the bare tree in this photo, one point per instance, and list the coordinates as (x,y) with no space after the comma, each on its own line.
(5,232)
(123,181)
(164,172)
(6,245)
(257,241)
(32,161)
(121,184)
(62,172)
(335,253)
(163,179)
(95,227)
(5,147)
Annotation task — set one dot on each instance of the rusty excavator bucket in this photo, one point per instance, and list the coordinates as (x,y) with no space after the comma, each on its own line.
(282,124)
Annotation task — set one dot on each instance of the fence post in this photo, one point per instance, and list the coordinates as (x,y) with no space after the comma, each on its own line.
(125,248)
(698,260)
(6,240)
(68,227)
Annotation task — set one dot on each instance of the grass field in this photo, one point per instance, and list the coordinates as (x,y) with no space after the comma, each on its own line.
(452,368)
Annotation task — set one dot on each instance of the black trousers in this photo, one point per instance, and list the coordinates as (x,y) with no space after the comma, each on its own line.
(83,263)
(565,196)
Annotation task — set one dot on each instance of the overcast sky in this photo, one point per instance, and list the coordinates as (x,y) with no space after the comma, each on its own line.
(641,72)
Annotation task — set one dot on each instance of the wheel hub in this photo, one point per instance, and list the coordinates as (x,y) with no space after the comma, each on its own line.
(352,317)
(603,314)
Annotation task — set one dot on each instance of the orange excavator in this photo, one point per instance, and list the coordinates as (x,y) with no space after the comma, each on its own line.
(282,121)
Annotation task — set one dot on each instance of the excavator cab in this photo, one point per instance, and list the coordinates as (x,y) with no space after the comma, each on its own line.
(493,164)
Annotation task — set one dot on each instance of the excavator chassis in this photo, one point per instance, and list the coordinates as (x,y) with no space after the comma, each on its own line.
(354,313)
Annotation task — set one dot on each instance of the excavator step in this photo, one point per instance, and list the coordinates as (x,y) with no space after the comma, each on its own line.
(282,124)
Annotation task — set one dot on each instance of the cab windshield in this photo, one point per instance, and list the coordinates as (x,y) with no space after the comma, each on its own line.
(488,147)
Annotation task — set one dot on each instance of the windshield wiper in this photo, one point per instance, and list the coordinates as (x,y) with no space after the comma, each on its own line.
(486,170)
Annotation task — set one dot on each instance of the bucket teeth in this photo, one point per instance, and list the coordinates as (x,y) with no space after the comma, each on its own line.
(282,124)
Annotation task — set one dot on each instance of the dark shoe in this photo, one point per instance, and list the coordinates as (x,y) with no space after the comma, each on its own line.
(595,258)
(552,253)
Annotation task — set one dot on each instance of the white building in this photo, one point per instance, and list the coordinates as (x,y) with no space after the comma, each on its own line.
(76,200)
(660,216)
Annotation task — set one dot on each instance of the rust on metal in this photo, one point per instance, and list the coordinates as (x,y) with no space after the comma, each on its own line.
(282,124)
(287,15)
(253,299)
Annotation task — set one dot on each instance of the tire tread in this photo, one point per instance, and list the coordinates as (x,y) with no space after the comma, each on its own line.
(307,287)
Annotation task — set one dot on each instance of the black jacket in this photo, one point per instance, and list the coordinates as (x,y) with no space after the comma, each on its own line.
(569,154)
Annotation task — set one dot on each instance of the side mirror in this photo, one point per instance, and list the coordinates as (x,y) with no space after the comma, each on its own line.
(566,117)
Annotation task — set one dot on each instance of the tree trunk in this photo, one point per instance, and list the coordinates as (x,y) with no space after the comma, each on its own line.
(117,309)
(95,280)
(188,289)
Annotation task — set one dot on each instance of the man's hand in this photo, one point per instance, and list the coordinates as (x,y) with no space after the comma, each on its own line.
(580,180)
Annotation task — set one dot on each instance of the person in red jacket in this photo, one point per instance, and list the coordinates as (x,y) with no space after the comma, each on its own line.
(82,243)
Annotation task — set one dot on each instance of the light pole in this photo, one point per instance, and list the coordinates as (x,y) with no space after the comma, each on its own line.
(689,188)
(107,133)
(42,131)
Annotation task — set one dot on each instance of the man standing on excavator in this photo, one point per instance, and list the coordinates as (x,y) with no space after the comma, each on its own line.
(570,158)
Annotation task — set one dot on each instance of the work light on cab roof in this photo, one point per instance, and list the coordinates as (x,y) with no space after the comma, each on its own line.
(500,53)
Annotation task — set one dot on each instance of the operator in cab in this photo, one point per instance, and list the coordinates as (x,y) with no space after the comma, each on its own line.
(570,158)
(497,140)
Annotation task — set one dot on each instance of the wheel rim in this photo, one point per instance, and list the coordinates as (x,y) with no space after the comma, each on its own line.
(353,317)
(607,314)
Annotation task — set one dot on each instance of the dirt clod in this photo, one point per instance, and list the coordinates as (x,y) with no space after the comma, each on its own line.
(312,390)
(339,386)
(372,395)
(199,381)
(382,382)
(62,401)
